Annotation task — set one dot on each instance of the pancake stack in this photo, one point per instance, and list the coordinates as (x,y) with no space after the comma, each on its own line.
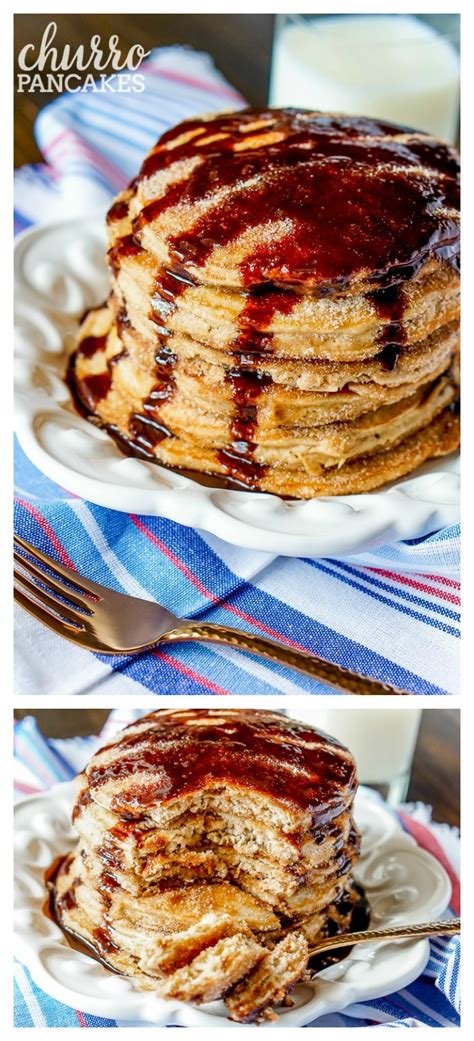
(214,847)
(284,310)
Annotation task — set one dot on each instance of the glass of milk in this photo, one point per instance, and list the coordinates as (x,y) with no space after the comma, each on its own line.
(398,67)
(382,742)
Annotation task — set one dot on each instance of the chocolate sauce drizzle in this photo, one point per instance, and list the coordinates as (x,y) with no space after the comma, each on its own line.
(88,391)
(83,799)
(128,246)
(102,945)
(248,381)
(118,211)
(146,430)
(352,201)
(389,303)
(355,198)
(252,749)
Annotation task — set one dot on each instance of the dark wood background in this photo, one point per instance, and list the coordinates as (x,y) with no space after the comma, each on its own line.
(435,774)
(239,43)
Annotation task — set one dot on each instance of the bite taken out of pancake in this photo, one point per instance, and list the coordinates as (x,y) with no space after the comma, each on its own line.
(215,847)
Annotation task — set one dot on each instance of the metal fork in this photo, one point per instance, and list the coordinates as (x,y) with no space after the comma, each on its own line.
(99,619)
(449,927)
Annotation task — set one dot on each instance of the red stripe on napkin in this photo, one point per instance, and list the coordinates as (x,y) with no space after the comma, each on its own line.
(425,838)
(62,553)
(169,660)
(167,552)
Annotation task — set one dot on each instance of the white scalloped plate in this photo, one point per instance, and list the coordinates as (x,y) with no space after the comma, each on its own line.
(60,271)
(403,884)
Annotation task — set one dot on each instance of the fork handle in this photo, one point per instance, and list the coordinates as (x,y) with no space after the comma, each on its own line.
(344,680)
(450,927)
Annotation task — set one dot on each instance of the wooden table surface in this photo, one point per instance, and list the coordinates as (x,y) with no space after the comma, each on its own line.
(435,774)
(239,43)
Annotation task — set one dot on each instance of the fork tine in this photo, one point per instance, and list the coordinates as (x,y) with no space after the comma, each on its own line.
(52,583)
(70,614)
(61,571)
(77,636)
(46,617)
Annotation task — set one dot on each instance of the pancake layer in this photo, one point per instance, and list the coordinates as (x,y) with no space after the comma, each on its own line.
(284,305)
(214,846)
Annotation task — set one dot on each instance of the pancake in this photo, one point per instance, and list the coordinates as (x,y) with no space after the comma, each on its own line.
(281,281)
(283,414)
(303,456)
(413,361)
(295,198)
(212,842)
(285,323)
(267,985)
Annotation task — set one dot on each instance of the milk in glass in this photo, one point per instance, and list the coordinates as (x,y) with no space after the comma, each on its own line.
(393,67)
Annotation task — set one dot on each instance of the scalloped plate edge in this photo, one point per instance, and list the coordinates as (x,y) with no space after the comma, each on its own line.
(330,994)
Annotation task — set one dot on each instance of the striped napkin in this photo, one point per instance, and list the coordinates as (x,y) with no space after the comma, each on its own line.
(392,613)
(432,1000)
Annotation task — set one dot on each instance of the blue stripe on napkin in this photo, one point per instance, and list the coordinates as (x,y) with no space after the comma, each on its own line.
(392,613)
